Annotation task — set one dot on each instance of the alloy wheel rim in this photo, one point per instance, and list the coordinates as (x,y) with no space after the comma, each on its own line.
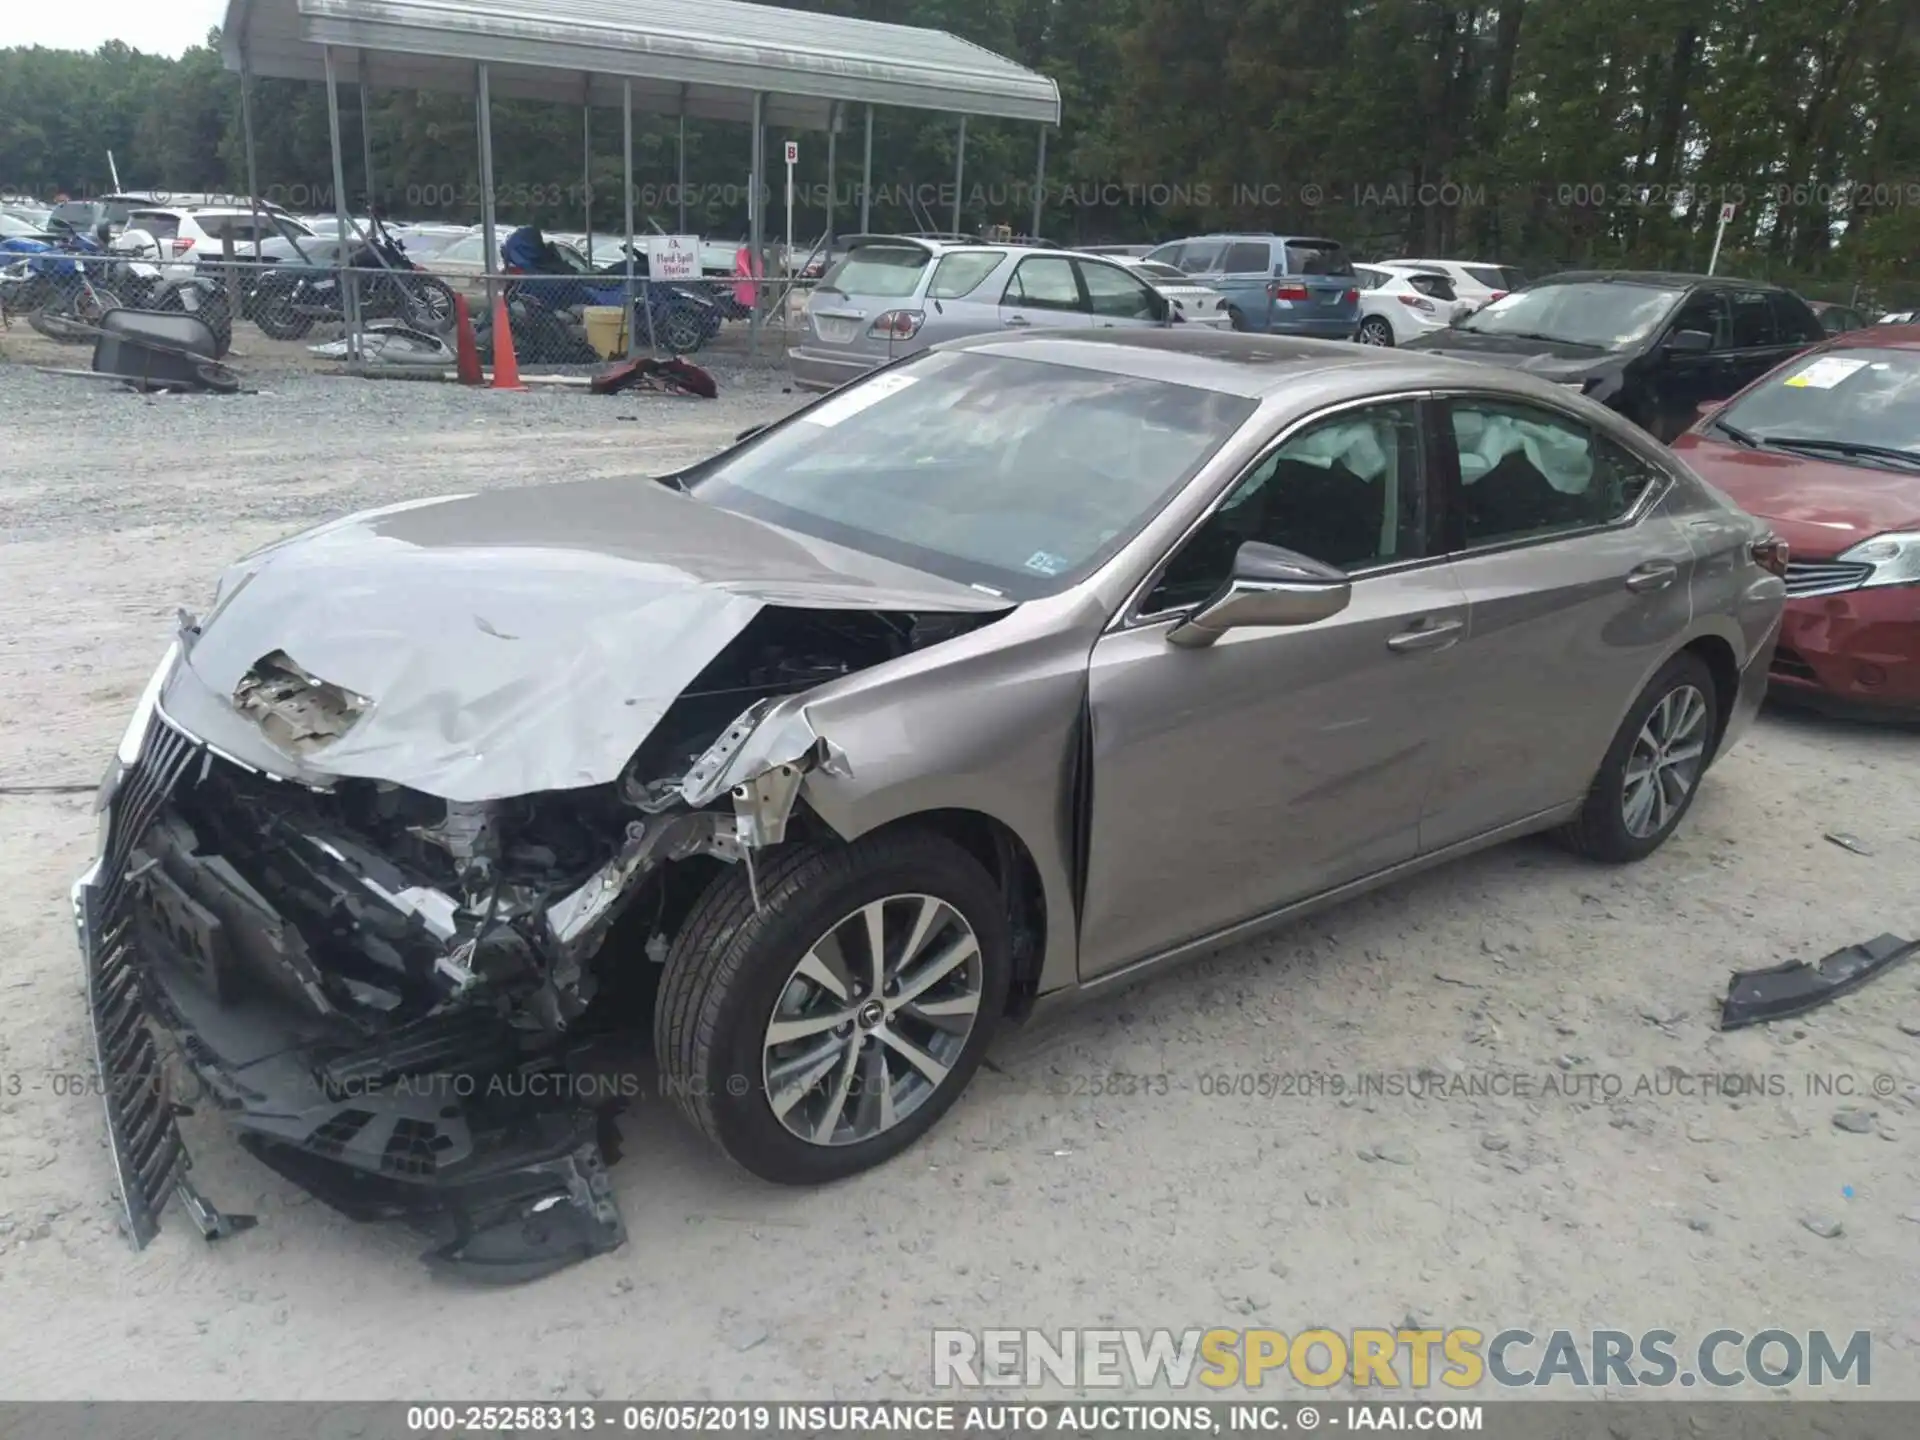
(1373,333)
(1664,764)
(872,1020)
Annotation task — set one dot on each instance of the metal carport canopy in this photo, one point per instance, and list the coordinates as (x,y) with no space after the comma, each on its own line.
(702,58)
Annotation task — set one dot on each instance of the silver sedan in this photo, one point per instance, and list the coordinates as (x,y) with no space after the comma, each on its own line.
(1026,667)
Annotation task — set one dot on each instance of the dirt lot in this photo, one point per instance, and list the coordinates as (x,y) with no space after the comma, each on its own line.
(1041,1201)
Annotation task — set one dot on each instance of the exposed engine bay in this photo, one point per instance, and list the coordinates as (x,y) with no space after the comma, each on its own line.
(351,969)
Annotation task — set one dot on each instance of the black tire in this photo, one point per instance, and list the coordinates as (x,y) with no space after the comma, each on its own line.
(731,962)
(680,331)
(1601,830)
(217,377)
(1236,319)
(427,304)
(1374,331)
(278,320)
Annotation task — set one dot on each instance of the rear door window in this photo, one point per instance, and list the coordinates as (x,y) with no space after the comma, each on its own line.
(1490,276)
(1706,313)
(1752,323)
(1317,257)
(1797,323)
(886,272)
(1247,257)
(960,275)
(1044,282)
(1369,279)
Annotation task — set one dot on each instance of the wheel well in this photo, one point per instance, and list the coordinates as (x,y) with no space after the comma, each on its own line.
(1005,857)
(1725,669)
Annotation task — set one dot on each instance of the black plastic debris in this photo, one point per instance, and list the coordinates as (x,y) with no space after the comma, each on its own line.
(1796,987)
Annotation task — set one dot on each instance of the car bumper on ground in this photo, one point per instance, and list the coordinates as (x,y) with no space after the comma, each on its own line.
(445,1122)
(1859,648)
(823,370)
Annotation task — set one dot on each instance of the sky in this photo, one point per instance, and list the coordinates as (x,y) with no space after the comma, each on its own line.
(160,27)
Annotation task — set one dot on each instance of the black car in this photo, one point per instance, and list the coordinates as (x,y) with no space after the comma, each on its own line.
(1651,345)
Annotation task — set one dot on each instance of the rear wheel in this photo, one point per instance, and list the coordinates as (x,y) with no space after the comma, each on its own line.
(1236,318)
(1653,768)
(277,316)
(680,331)
(824,1029)
(1375,331)
(428,304)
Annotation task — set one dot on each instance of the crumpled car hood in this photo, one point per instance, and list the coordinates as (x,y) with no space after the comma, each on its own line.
(515,641)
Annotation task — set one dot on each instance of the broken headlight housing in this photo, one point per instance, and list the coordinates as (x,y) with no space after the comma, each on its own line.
(1895,559)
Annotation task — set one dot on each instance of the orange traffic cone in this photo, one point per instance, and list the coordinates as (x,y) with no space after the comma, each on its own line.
(467,347)
(506,368)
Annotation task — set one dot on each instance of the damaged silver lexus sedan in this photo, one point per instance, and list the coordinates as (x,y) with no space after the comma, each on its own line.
(1015,669)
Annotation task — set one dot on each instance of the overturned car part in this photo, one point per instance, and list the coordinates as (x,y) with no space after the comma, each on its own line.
(1795,987)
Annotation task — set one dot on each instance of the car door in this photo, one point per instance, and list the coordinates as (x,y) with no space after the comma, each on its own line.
(1577,589)
(1115,296)
(1044,291)
(1276,763)
(1242,271)
(1677,383)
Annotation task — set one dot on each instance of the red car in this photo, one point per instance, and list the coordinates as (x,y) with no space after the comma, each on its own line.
(1827,448)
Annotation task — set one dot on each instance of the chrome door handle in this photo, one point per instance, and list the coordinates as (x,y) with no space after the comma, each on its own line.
(1654,575)
(1018,322)
(1428,637)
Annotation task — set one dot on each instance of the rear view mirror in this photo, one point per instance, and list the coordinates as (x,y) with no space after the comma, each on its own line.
(1690,342)
(1268,586)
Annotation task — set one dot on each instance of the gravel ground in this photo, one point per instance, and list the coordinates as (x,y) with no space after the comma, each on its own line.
(1046,1199)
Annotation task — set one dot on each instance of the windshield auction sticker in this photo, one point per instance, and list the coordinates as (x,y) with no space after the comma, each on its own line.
(1825,373)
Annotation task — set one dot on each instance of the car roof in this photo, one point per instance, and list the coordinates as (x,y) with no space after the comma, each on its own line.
(1880,337)
(1230,362)
(1660,279)
(1252,235)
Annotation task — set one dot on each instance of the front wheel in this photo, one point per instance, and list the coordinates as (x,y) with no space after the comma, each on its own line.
(1375,331)
(1653,768)
(279,317)
(680,331)
(427,304)
(824,1029)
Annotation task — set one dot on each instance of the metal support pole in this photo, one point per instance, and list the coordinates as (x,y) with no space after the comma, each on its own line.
(489,243)
(366,133)
(833,136)
(246,133)
(586,161)
(866,178)
(959,172)
(1039,185)
(626,175)
(680,176)
(757,223)
(349,285)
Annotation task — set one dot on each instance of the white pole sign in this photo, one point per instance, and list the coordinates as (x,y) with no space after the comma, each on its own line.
(793,158)
(1726,214)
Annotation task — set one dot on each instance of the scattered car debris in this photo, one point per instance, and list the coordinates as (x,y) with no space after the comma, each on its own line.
(1850,842)
(1853,1120)
(1796,987)
(390,342)
(675,376)
(1825,1226)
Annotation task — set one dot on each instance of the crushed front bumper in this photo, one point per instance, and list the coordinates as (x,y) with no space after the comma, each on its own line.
(499,1153)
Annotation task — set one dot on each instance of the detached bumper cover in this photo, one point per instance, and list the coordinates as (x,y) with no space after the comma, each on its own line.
(448,1122)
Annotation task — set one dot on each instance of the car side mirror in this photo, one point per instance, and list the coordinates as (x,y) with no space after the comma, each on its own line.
(1689,342)
(1267,586)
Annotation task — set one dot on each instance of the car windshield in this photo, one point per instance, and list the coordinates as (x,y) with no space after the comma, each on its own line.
(1601,315)
(1854,396)
(1013,475)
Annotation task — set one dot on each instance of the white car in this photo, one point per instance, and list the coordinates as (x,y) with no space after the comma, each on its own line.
(179,236)
(1196,303)
(1473,280)
(1400,301)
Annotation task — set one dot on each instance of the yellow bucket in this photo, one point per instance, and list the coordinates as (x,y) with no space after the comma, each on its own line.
(606,329)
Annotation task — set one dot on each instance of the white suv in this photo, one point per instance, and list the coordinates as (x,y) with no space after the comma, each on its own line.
(1473,280)
(186,234)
